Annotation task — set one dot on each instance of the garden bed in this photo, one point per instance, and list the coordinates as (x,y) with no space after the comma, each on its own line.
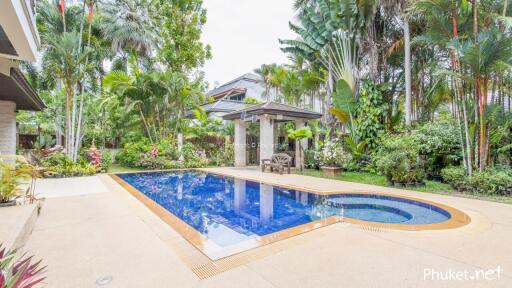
(430,186)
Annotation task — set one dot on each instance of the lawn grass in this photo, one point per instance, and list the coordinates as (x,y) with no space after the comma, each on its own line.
(375,179)
(431,186)
(115,168)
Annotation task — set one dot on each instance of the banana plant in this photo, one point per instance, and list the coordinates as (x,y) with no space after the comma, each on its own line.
(357,149)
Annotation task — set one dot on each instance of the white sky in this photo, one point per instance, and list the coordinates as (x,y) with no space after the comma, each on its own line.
(244,34)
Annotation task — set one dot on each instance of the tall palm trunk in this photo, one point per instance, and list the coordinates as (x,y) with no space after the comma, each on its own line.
(80,109)
(407,67)
(460,95)
(69,92)
(78,137)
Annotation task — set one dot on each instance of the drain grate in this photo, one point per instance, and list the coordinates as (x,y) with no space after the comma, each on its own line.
(105,280)
(371,228)
(205,268)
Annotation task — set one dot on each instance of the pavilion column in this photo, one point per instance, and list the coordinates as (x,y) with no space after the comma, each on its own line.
(276,135)
(240,143)
(266,137)
(299,158)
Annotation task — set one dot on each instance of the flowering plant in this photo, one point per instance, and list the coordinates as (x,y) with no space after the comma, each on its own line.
(333,155)
(94,156)
(23,273)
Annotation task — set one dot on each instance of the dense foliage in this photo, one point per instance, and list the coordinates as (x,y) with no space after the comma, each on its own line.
(398,159)
(492,181)
(164,155)
(407,88)
(333,155)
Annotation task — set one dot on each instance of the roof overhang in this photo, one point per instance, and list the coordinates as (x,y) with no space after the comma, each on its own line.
(281,111)
(14,87)
(19,38)
(230,92)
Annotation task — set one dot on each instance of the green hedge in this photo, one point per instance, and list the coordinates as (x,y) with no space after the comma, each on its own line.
(493,181)
(398,159)
(136,155)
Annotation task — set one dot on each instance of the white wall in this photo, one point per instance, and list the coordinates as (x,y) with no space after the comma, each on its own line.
(7,128)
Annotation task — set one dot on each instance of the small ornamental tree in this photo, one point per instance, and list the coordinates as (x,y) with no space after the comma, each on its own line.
(299,135)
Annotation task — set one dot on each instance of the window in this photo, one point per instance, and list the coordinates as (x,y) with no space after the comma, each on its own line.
(239,97)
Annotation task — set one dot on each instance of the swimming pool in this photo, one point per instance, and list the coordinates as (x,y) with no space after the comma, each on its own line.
(224,215)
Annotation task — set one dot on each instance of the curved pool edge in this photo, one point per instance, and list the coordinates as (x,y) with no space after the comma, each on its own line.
(457,217)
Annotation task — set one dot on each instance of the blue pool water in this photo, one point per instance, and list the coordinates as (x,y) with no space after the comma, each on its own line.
(229,210)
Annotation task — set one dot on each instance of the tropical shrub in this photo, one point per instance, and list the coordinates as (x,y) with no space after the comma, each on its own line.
(168,148)
(333,155)
(312,158)
(193,157)
(131,153)
(59,165)
(439,143)
(21,273)
(11,177)
(454,175)
(99,159)
(226,155)
(160,162)
(398,159)
(493,181)
(107,159)
(360,159)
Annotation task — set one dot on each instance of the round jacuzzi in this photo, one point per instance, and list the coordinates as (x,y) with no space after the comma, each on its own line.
(406,213)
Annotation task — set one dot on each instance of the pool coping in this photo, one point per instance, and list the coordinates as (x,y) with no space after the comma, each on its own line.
(457,219)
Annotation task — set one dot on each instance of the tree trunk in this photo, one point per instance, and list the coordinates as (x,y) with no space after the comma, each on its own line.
(145,125)
(407,67)
(78,138)
(68,119)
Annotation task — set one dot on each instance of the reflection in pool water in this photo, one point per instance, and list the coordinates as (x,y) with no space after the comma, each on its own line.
(229,210)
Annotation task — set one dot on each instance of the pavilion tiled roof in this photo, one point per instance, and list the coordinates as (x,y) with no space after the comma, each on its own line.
(273,108)
(222,105)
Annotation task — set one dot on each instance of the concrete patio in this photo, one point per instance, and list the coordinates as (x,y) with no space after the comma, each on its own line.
(91,228)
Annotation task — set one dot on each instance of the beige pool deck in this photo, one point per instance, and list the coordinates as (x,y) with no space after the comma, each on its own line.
(93,227)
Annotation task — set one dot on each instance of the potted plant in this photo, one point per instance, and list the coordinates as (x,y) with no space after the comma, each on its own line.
(333,159)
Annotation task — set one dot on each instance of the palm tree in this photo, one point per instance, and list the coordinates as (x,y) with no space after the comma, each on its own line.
(265,71)
(67,62)
(490,53)
(444,19)
(398,7)
(277,79)
(130,89)
(129,27)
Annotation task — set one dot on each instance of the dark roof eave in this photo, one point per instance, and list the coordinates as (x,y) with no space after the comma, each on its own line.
(30,93)
(308,115)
